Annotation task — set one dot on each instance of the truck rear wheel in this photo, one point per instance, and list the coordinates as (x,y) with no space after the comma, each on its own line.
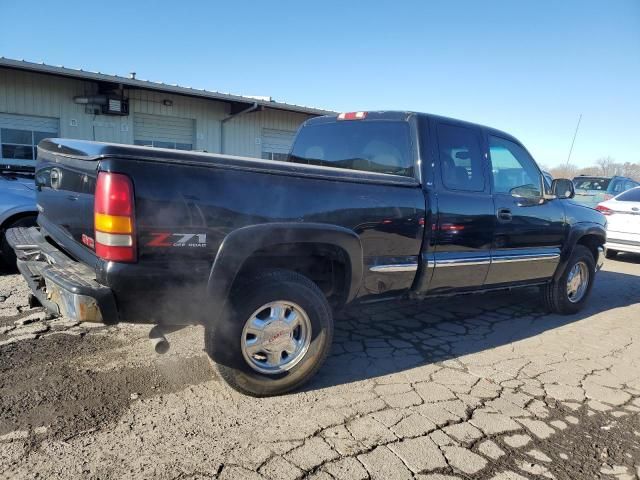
(569,293)
(274,336)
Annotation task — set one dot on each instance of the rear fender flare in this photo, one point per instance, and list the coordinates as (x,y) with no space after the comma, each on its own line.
(240,244)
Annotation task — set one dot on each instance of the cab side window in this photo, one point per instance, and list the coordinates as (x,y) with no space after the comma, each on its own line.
(460,158)
(513,170)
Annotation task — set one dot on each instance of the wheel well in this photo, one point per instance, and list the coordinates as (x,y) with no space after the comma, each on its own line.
(15,217)
(592,242)
(326,265)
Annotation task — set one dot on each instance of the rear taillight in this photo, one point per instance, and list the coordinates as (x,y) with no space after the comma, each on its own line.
(113,218)
(604,210)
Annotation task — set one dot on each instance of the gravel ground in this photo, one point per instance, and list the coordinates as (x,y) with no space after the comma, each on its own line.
(473,387)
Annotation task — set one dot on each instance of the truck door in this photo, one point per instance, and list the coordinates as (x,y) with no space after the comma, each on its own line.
(459,246)
(529,231)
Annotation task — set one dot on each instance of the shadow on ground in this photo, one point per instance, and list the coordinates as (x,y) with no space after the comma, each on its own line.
(627,258)
(387,338)
(41,383)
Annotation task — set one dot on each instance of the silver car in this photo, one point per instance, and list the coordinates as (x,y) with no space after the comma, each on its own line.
(17,206)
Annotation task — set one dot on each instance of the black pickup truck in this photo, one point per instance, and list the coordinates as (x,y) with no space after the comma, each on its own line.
(369,205)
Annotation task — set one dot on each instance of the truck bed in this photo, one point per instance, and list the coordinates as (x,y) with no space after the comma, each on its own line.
(187,203)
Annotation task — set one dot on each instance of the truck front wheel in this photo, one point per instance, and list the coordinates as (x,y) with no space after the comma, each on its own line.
(569,293)
(274,336)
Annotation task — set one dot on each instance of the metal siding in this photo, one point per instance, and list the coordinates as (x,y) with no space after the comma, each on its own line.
(207,115)
(28,93)
(243,135)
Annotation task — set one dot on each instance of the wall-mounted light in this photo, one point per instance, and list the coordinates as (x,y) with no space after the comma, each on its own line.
(167,103)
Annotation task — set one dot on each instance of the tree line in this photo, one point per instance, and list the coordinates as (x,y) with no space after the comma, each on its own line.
(604,167)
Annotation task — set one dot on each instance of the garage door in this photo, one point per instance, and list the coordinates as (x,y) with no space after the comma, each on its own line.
(276,144)
(20,134)
(164,132)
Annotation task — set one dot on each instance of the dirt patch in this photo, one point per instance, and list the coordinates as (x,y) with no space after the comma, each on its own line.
(42,388)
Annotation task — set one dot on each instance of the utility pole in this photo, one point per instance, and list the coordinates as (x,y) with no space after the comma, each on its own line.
(573,141)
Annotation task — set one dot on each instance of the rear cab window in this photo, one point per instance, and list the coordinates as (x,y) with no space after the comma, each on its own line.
(591,183)
(380,146)
(460,155)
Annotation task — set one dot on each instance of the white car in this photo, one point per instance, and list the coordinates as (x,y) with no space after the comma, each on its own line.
(623,222)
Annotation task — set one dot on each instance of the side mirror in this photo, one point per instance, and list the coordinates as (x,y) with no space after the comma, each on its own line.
(563,188)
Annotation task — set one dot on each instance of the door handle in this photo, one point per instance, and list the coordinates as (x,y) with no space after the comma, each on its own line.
(504,214)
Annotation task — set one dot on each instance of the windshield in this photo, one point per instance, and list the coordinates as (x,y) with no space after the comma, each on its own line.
(373,146)
(591,183)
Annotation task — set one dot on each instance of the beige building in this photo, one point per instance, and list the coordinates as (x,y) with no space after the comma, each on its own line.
(39,101)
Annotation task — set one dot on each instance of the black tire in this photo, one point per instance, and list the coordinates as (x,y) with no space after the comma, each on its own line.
(223,338)
(610,254)
(555,293)
(7,255)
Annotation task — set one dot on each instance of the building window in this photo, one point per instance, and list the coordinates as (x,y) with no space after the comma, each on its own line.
(275,156)
(276,144)
(164,144)
(17,144)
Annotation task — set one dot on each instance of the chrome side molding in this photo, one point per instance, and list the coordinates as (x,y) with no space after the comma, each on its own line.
(531,257)
(461,262)
(405,267)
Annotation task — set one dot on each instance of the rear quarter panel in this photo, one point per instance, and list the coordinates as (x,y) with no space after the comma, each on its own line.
(183,213)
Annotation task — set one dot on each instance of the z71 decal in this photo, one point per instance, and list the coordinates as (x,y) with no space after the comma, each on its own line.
(178,240)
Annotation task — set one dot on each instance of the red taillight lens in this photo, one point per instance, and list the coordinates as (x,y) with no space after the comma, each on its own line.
(352,116)
(114,194)
(113,218)
(604,210)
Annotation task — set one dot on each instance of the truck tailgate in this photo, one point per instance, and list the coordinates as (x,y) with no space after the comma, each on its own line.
(65,197)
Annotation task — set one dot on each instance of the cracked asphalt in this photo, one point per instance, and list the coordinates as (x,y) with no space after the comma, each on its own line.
(472,387)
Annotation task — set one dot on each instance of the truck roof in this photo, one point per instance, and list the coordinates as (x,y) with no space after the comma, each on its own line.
(404,115)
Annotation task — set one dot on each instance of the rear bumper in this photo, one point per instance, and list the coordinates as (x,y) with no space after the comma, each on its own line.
(62,285)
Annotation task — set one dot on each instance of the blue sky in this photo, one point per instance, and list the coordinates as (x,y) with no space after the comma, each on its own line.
(528,67)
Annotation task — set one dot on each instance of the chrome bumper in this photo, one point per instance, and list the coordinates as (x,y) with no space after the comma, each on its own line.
(62,285)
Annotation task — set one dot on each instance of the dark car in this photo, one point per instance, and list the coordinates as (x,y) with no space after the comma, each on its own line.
(591,191)
(369,206)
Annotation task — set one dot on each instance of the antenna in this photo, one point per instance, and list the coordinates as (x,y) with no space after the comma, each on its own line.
(573,141)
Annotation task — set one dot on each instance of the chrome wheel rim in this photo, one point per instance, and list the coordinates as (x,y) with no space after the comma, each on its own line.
(276,337)
(577,282)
